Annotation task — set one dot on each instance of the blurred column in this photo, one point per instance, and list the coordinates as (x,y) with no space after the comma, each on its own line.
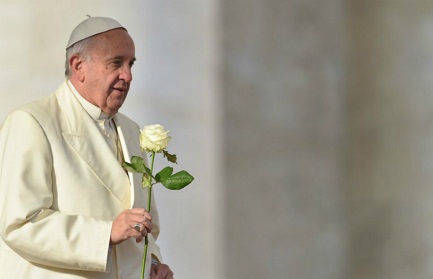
(283,86)
(390,154)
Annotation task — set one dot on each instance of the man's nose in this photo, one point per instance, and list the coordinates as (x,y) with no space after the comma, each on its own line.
(126,74)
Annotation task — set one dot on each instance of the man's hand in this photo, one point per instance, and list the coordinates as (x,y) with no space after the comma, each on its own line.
(135,222)
(161,271)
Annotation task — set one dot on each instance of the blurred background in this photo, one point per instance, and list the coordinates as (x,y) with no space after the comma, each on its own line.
(308,125)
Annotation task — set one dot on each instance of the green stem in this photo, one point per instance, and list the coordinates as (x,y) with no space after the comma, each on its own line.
(150,182)
(149,200)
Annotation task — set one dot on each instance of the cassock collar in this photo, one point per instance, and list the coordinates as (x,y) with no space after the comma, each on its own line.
(95,112)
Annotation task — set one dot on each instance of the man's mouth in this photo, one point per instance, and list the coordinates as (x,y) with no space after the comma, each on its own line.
(120,90)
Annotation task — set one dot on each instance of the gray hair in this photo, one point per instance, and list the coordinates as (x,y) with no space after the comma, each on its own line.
(81,48)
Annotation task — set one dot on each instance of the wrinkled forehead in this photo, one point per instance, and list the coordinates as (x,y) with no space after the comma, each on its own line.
(112,44)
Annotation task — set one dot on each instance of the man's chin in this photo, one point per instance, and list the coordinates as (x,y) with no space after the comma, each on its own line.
(112,110)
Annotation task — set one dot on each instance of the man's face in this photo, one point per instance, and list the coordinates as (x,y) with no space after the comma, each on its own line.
(107,73)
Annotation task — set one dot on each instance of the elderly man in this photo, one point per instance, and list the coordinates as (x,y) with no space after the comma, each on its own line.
(67,207)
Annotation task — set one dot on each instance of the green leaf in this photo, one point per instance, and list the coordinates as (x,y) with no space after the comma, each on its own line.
(137,165)
(145,181)
(170,157)
(137,160)
(133,167)
(129,167)
(148,172)
(163,174)
(177,181)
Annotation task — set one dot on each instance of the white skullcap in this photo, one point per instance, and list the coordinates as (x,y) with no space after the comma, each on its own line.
(91,27)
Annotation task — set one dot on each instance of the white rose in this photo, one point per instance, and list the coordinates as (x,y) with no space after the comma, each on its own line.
(154,138)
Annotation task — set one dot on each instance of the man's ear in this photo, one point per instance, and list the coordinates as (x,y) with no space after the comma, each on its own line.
(76,65)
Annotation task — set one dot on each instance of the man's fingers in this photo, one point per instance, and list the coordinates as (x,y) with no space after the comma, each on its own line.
(163,272)
(135,222)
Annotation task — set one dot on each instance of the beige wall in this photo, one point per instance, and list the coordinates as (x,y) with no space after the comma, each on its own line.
(390,136)
(328,111)
(283,86)
(307,124)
